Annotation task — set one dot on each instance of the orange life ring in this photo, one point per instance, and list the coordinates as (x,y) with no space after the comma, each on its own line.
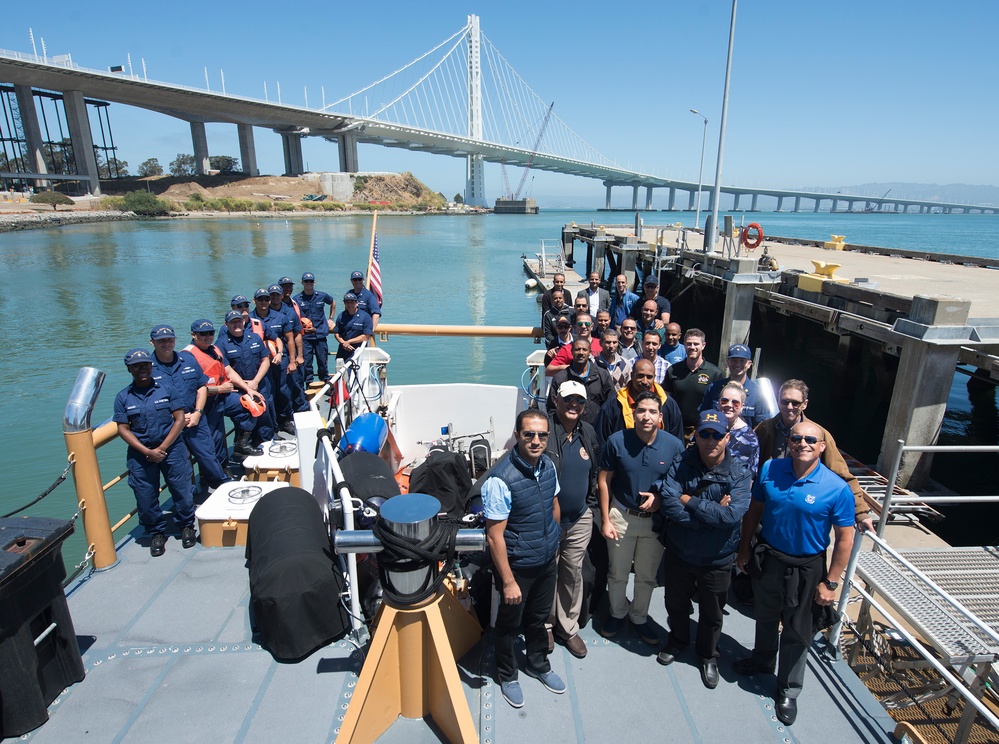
(745,236)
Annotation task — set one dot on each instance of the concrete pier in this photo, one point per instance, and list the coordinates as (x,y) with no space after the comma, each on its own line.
(294,164)
(247,150)
(32,132)
(199,140)
(82,138)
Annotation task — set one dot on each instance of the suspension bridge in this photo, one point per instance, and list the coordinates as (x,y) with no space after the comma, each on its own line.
(461,98)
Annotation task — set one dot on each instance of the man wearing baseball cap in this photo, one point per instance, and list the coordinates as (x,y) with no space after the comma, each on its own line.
(280,325)
(650,293)
(181,371)
(704,498)
(150,418)
(314,344)
(573,448)
(281,301)
(757,407)
(247,354)
(353,327)
(366,300)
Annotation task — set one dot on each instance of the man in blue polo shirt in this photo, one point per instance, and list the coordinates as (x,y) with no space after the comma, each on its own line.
(150,418)
(313,302)
(632,460)
(799,501)
(353,327)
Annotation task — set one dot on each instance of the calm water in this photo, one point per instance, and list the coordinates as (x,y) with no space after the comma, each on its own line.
(83,295)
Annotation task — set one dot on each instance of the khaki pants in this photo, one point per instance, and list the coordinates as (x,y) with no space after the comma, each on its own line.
(569,584)
(637,543)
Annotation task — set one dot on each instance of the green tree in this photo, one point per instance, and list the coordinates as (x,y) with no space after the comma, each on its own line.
(182,165)
(459,199)
(111,168)
(50,197)
(150,167)
(59,156)
(223,163)
(144,203)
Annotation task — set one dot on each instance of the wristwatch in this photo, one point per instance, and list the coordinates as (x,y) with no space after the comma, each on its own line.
(832,585)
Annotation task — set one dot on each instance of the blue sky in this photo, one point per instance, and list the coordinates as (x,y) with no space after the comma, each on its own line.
(822,94)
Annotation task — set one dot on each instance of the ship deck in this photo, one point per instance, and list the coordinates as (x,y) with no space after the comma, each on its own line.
(170,655)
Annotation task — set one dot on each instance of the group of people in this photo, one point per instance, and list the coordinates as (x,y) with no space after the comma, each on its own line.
(254,371)
(649,459)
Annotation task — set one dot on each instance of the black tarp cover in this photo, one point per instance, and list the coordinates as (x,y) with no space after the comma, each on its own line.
(295,579)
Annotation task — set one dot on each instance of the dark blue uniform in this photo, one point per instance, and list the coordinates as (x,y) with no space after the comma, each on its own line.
(296,380)
(351,326)
(245,355)
(149,414)
(221,406)
(314,344)
(185,376)
(279,323)
(367,302)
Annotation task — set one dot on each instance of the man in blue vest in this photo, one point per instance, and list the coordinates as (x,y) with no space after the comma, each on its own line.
(150,418)
(520,504)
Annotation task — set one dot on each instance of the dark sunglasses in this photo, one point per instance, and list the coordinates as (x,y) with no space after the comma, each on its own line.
(799,438)
(531,435)
(204,333)
(711,434)
(792,403)
(242,306)
(734,401)
(584,324)
(575,400)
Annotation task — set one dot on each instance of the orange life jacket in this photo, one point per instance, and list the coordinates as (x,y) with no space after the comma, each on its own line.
(258,327)
(210,365)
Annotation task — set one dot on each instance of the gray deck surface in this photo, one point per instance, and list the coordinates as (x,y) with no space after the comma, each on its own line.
(169,656)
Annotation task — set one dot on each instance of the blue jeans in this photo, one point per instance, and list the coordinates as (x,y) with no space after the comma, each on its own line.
(318,348)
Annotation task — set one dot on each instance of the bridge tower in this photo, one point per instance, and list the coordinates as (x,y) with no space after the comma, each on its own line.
(475,181)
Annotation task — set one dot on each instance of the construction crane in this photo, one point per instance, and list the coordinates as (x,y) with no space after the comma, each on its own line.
(868,207)
(537,143)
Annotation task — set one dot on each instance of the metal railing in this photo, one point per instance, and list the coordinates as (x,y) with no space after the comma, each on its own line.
(551,258)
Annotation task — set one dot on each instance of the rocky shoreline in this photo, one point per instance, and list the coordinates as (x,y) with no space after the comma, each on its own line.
(13,222)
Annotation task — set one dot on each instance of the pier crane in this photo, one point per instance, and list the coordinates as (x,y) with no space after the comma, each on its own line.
(512,203)
(868,207)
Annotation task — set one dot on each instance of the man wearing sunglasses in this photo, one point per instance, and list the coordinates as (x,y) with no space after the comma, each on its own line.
(554,316)
(314,343)
(798,501)
(583,330)
(618,411)
(704,498)
(573,448)
(773,437)
(592,379)
(520,503)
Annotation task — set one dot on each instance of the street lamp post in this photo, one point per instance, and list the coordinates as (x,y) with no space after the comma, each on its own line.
(700,173)
(711,224)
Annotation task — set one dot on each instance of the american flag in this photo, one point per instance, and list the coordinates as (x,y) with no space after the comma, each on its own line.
(375,272)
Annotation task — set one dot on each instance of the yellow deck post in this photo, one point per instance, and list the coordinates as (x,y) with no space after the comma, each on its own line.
(411,671)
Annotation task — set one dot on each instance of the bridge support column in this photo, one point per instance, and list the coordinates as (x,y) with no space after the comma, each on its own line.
(797,204)
(672,199)
(835,205)
(849,205)
(475,181)
(607,201)
(817,203)
(634,198)
(247,149)
(752,205)
(648,198)
(294,163)
(200,140)
(735,202)
(347,147)
(691,197)
(35,155)
(780,203)
(740,292)
(925,372)
(82,139)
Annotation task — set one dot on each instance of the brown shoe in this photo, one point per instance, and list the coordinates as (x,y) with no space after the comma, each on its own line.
(575,645)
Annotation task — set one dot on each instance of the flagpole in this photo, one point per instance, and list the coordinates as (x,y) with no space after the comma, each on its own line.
(371,248)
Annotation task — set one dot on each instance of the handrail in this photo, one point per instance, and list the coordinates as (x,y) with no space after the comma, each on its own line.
(897,463)
(424,329)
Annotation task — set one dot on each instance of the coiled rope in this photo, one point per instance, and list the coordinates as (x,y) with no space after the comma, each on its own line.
(403,554)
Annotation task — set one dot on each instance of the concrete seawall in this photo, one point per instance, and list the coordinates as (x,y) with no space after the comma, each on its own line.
(23,221)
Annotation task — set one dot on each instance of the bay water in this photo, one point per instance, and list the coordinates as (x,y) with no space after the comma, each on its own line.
(83,295)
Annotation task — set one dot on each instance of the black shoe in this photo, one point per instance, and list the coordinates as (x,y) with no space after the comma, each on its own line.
(669,653)
(157,546)
(243,448)
(187,537)
(287,426)
(786,709)
(750,666)
(709,673)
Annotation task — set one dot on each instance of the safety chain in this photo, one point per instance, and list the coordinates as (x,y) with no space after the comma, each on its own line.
(47,491)
(890,673)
